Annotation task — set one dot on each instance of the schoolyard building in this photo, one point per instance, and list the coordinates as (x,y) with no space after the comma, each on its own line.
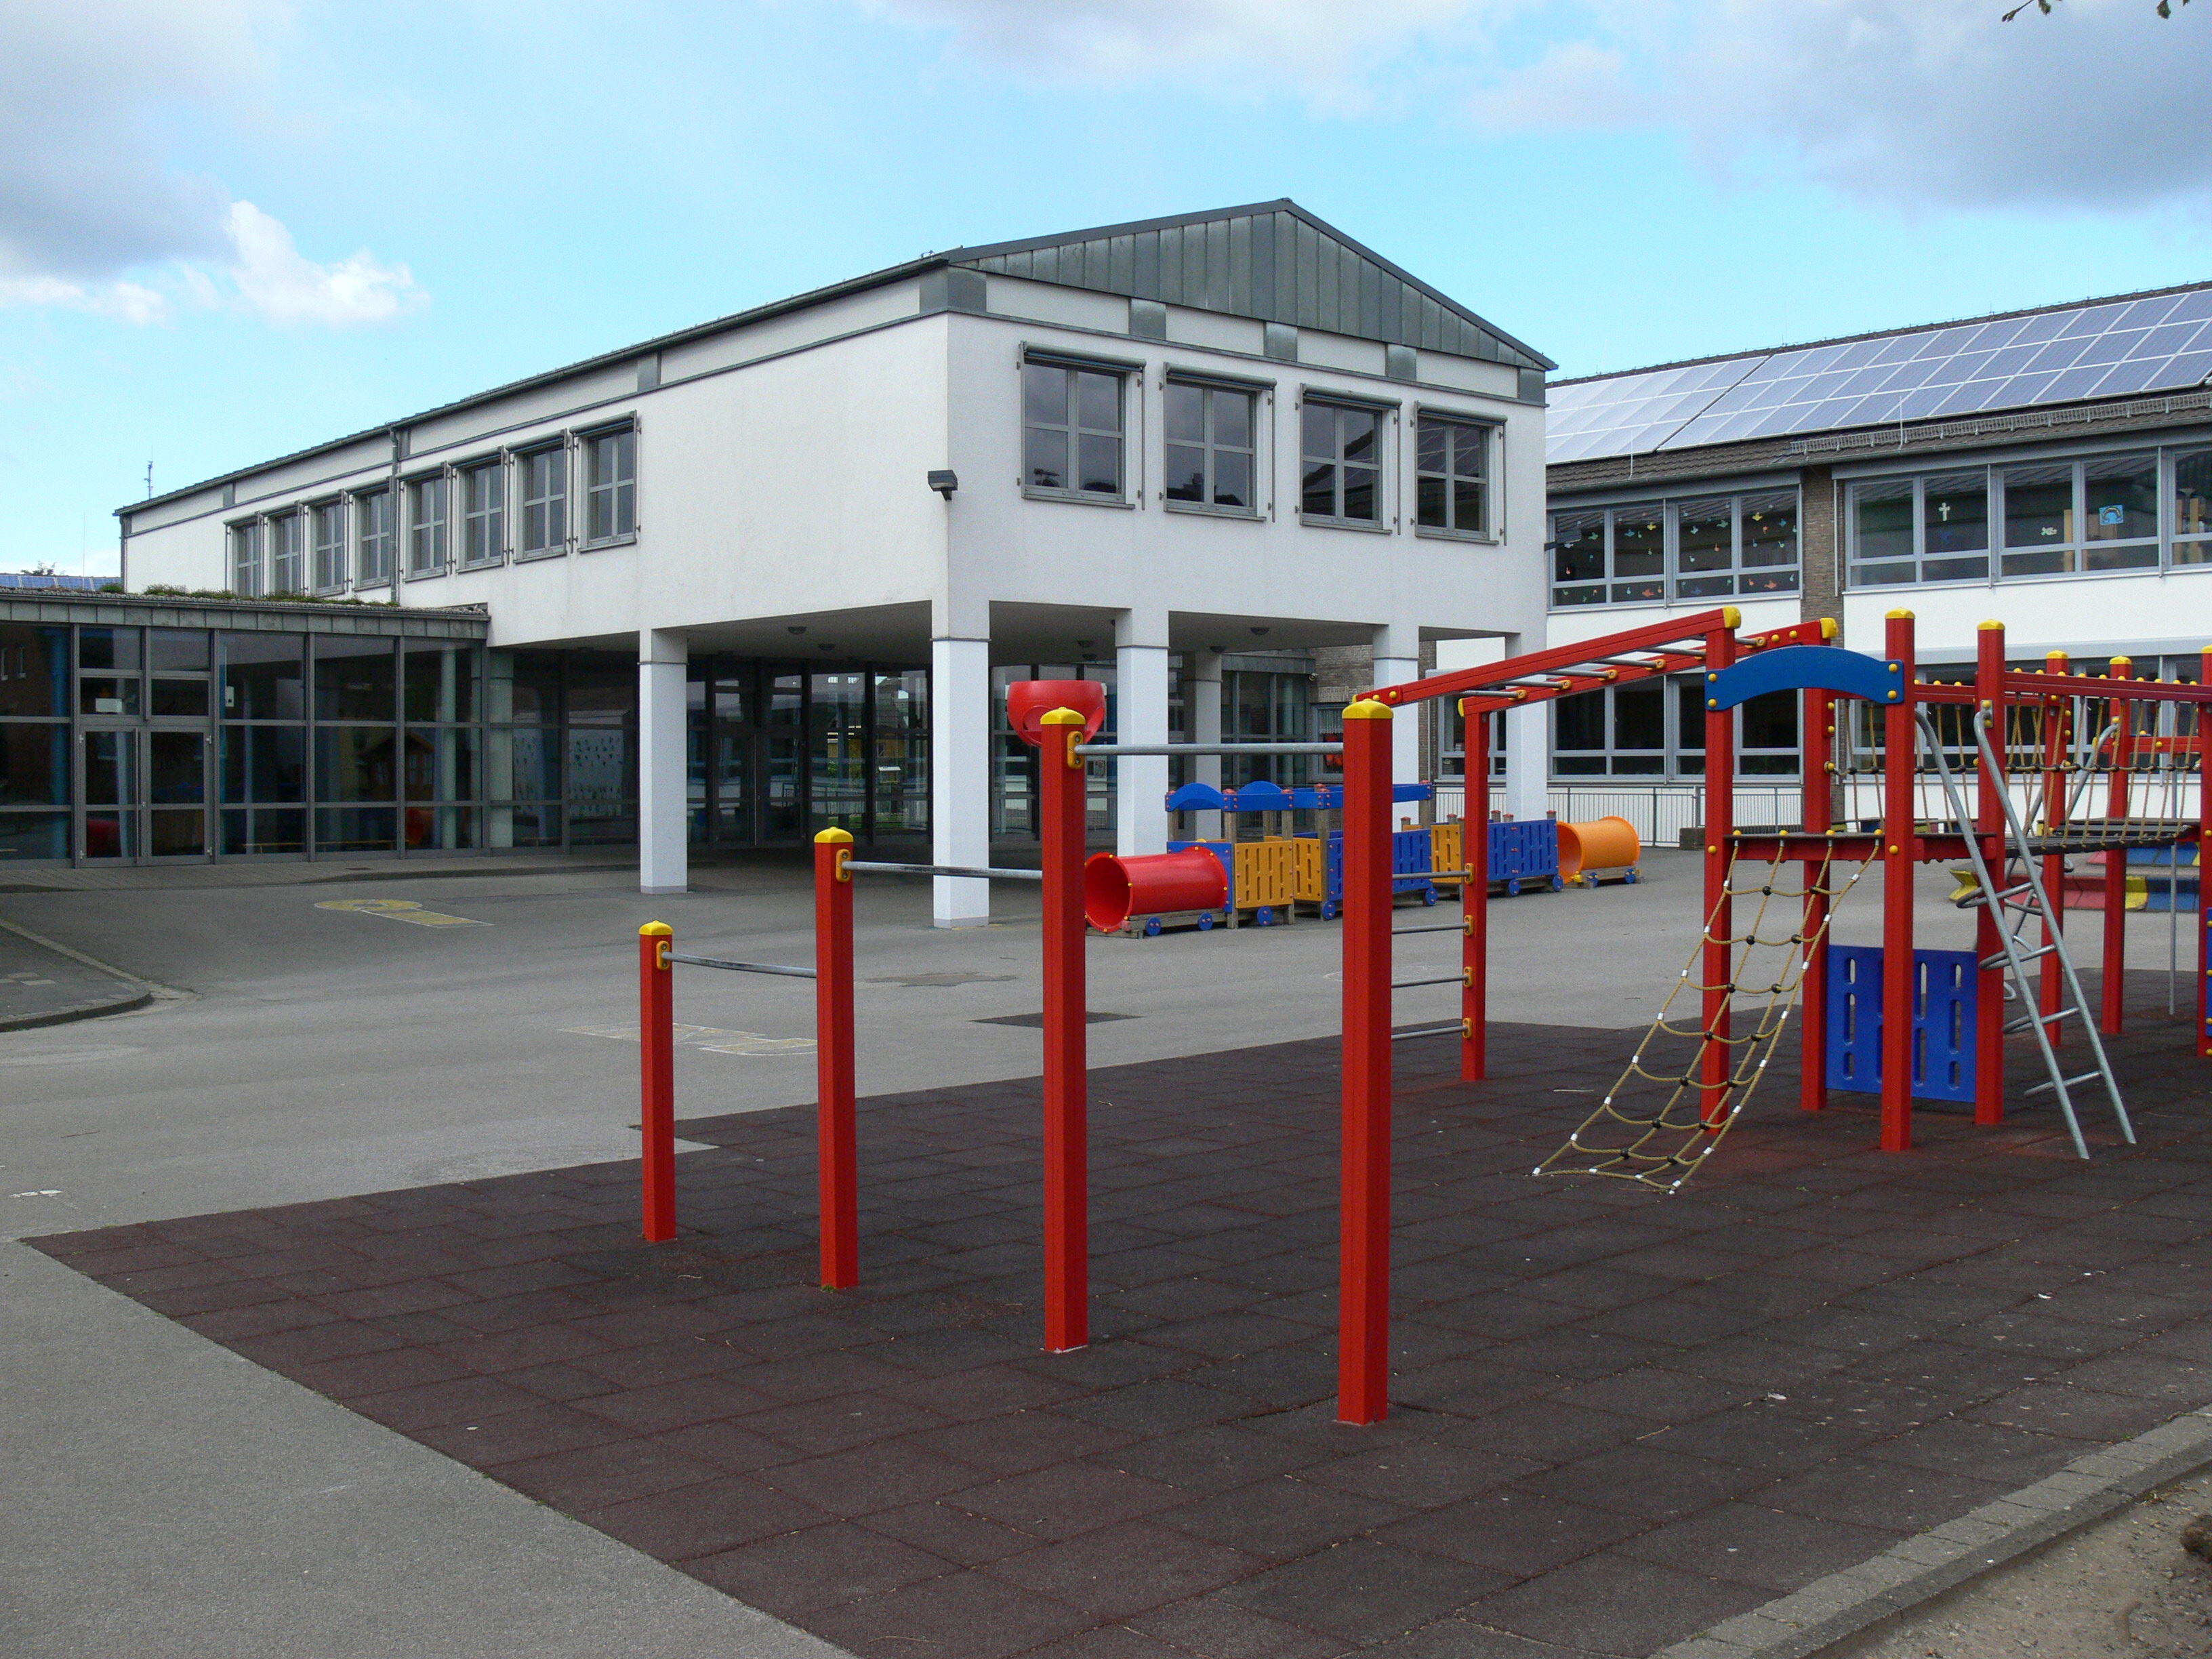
(2052,469)
(767,575)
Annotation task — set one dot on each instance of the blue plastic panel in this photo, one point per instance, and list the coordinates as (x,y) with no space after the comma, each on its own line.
(1523,850)
(1791,668)
(1197,798)
(1946,999)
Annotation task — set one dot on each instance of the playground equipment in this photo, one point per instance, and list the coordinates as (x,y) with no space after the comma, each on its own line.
(1602,844)
(2075,742)
(1119,894)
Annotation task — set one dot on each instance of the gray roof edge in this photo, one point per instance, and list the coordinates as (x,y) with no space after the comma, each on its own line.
(549,377)
(1888,333)
(1280,204)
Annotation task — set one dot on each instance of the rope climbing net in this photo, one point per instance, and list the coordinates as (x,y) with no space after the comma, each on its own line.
(1664,1117)
(2066,758)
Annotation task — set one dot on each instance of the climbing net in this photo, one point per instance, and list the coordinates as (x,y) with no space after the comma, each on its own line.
(2063,756)
(1655,1125)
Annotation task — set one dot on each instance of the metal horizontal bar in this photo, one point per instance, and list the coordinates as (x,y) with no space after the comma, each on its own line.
(945,869)
(1455,1029)
(1436,927)
(1415,984)
(1110,749)
(745,967)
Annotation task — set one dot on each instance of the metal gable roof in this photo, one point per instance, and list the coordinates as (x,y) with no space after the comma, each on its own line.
(1272,261)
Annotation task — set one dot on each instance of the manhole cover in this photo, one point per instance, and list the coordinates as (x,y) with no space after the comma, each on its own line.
(1035,1021)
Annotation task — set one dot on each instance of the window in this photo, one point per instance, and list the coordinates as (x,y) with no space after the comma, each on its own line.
(2119,515)
(542,477)
(1935,529)
(426,506)
(1578,557)
(1340,477)
(1705,545)
(1071,431)
(1210,447)
(483,514)
(1766,535)
(2039,519)
(2193,507)
(1451,477)
(245,543)
(1656,729)
(611,485)
(287,553)
(329,545)
(372,529)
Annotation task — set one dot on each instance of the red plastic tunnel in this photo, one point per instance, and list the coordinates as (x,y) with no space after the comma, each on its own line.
(1115,888)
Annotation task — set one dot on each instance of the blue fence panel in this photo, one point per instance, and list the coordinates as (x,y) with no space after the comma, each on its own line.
(1946,999)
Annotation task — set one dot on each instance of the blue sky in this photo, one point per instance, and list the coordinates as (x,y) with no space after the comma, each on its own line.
(232,228)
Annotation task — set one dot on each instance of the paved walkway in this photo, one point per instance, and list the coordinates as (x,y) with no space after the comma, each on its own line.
(1619,1419)
(41,984)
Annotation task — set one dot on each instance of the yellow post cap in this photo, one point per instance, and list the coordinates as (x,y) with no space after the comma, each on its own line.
(1898,616)
(1367,710)
(1828,628)
(656,930)
(2130,661)
(843,836)
(1986,626)
(2048,655)
(1060,717)
(1730,617)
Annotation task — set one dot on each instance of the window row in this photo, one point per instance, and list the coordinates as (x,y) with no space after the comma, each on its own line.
(1706,547)
(1076,420)
(2099,512)
(464,514)
(1656,730)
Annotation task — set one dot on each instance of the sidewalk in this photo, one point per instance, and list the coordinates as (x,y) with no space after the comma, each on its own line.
(41,984)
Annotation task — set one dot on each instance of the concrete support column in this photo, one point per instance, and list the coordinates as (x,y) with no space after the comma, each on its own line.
(1528,761)
(1140,715)
(1201,700)
(960,777)
(1397,660)
(663,846)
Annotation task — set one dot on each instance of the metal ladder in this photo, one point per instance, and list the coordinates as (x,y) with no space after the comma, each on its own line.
(2018,905)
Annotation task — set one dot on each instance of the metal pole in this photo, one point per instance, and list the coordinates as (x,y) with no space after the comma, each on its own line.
(1717,1058)
(1066,1151)
(835,1133)
(1819,813)
(1474,905)
(1988,824)
(2113,993)
(1901,744)
(2057,742)
(656,1042)
(1362,1360)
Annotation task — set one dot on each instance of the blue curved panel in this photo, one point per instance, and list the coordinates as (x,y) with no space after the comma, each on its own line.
(1199,798)
(1261,796)
(1793,667)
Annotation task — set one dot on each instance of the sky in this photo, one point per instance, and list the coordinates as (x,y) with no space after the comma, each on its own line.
(232,229)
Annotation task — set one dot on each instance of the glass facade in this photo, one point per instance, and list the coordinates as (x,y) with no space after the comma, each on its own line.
(1653,731)
(1698,548)
(2090,514)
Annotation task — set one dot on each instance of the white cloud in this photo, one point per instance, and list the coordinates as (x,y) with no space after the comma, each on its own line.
(1912,102)
(91,216)
(272,279)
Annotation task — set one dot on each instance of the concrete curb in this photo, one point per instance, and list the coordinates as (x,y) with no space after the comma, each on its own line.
(69,1016)
(1799,1626)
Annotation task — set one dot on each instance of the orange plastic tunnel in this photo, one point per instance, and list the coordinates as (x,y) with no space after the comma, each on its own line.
(1601,844)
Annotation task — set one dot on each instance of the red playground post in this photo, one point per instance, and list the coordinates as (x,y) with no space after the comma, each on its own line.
(656,1042)
(836,1136)
(1060,808)
(2113,997)
(1474,903)
(2057,736)
(2200,1010)
(1820,814)
(1363,1349)
(1988,825)
(1900,849)
(1718,971)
